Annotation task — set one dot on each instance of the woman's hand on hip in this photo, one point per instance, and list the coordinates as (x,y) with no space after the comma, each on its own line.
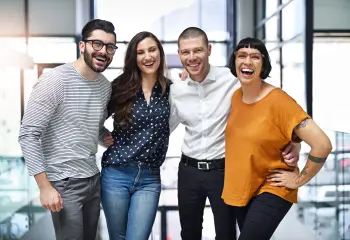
(283,178)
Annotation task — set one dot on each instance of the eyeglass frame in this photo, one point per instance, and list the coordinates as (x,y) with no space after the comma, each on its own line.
(250,55)
(115,47)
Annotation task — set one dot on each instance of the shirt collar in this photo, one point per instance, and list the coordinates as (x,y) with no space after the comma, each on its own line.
(157,89)
(210,78)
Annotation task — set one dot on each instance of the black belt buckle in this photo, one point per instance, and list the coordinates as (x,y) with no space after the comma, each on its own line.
(203,165)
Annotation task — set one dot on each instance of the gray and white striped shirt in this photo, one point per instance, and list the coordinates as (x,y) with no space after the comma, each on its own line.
(62,121)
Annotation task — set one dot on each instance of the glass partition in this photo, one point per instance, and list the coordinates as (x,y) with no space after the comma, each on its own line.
(20,207)
(324,203)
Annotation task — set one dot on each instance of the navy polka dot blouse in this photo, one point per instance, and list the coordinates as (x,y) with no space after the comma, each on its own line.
(146,139)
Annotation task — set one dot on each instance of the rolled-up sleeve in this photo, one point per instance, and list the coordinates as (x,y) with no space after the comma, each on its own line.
(46,96)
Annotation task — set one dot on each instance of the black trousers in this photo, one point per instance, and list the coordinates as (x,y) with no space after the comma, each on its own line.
(261,217)
(194,186)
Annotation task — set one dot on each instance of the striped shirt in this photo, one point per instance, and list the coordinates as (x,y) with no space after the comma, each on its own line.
(61,125)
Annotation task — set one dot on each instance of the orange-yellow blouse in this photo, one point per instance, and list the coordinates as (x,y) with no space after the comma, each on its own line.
(255,136)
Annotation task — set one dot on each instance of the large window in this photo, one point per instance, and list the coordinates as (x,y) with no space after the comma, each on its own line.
(292,19)
(17,72)
(52,50)
(167,19)
(42,50)
(10,108)
(275,74)
(271,29)
(293,71)
(330,86)
(270,7)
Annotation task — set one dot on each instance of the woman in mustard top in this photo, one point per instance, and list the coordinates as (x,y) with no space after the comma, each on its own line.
(263,120)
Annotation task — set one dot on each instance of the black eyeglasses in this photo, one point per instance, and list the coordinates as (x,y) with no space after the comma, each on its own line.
(98,45)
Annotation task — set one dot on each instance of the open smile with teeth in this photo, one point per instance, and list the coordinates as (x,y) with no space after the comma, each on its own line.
(247,71)
(148,64)
(101,59)
(194,65)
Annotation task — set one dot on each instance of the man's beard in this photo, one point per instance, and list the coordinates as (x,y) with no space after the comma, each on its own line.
(88,58)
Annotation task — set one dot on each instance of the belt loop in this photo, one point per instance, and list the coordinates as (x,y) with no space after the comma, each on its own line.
(185,159)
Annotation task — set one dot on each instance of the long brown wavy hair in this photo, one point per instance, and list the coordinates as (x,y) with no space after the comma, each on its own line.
(126,86)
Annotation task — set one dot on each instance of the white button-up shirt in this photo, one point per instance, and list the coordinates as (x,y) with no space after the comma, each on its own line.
(203,109)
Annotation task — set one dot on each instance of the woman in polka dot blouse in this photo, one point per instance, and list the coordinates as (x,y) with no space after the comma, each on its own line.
(130,177)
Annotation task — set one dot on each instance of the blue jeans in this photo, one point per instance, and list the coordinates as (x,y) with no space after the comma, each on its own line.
(130,195)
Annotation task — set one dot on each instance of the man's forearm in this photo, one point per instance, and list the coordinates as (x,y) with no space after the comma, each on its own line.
(46,96)
(42,180)
(32,151)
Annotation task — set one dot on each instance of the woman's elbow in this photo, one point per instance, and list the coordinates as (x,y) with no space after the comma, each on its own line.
(328,147)
(325,146)
(321,146)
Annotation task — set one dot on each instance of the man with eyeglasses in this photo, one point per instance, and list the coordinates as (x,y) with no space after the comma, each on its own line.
(60,132)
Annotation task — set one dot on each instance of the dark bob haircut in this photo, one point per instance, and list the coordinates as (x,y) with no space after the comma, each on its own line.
(256,44)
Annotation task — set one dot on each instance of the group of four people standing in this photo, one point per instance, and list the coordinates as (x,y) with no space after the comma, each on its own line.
(240,147)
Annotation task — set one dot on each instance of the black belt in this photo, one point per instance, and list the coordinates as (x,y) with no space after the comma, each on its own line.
(203,164)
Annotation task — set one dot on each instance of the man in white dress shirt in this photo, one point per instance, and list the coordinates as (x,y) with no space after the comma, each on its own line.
(202,104)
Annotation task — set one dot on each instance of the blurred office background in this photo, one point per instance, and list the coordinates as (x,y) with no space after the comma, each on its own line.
(309,43)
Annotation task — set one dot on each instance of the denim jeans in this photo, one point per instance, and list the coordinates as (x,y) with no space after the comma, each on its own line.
(130,195)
